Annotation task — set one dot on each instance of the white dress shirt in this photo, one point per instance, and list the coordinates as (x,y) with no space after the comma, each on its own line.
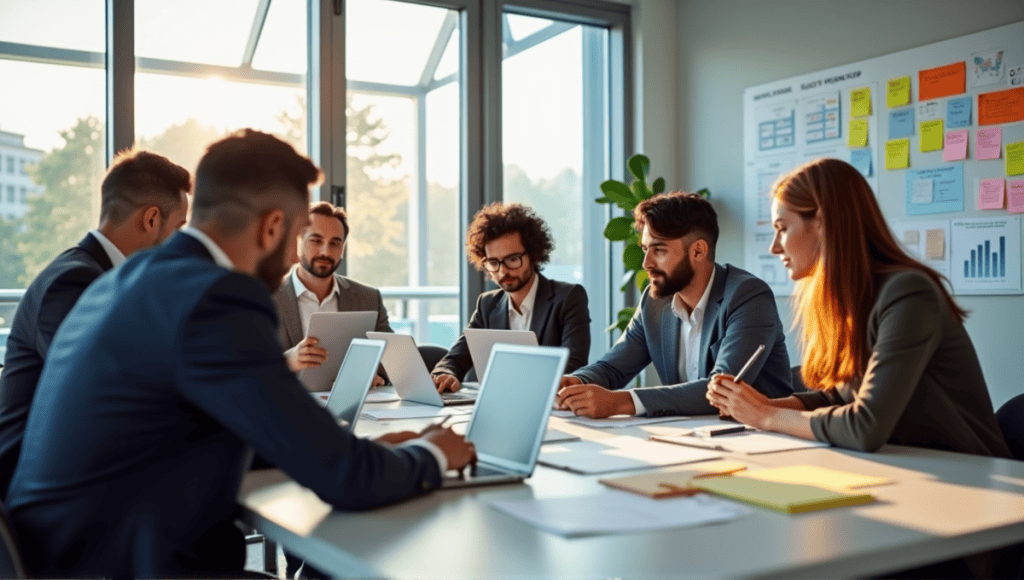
(690,327)
(116,256)
(219,257)
(520,320)
(308,302)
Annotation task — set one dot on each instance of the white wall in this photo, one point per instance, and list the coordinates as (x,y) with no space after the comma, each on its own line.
(724,46)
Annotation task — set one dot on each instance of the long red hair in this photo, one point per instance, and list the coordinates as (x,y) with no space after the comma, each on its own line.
(832,304)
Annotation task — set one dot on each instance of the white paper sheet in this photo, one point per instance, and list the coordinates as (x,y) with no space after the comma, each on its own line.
(616,512)
(749,442)
(622,421)
(412,412)
(382,397)
(619,453)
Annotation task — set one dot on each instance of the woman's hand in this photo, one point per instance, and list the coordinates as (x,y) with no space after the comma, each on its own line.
(740,401)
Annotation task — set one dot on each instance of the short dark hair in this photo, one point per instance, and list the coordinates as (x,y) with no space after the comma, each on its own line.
(677,215)
(497,220)
(139,178)
(238,174)
(326,209)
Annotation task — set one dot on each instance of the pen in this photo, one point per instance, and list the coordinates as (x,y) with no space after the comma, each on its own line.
(713,431)
(743,371)
(440,423)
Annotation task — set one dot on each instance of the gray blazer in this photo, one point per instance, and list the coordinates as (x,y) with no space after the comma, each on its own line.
(352,297)
(740,316)
(923,385)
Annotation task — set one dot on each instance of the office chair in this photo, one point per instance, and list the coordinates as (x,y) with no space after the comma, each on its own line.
(432,354)
(1011,421)
(11,565)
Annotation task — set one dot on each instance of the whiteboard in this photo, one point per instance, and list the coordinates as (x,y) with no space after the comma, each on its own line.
(932,205)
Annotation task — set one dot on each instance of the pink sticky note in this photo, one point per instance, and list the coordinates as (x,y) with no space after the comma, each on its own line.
(956,145)
(988,143)
(1016,195)
(990,194)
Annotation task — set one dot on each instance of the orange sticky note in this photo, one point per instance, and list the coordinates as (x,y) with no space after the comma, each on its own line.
(943,81)
(1001,107)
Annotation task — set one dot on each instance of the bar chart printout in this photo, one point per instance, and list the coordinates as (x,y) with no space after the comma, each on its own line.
(986,255)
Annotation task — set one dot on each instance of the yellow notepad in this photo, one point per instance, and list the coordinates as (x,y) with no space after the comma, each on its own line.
(816,476)
(787,498)
(672,483)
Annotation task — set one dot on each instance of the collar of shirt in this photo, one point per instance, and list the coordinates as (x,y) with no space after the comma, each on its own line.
(116,256)
(527,306)
(300,287)
(679,309)
(219,257)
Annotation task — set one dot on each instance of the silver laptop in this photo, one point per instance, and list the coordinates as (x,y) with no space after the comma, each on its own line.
(482,340)
(409,374)
(354,380)
(511,414)
(335,331)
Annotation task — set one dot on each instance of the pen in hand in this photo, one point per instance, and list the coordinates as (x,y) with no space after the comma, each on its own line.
(739,376)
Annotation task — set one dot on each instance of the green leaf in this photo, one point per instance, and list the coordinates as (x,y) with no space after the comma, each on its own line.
(705,193)
(659,186)
(640,190)
(618,229)
(641,280)
(618,192)
(633,257)
(639,165)
(623,318)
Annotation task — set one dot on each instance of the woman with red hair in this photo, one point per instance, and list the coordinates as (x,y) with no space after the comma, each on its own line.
(886,357)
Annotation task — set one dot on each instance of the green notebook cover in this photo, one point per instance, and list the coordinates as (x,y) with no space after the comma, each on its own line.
(784,497)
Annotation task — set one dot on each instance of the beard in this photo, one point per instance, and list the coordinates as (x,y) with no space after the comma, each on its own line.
(320,266)
(272,268)
(671,283)
(515,283)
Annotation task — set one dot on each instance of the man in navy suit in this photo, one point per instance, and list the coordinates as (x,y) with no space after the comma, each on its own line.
(169,369)
(511,243)
(142,202)
(695,319)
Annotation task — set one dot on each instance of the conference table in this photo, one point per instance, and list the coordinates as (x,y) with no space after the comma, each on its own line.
(940,506)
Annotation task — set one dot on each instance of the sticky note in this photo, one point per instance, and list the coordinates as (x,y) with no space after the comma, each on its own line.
(990,194)
(935,244)
(955,146)
(858,133)
(958,113)
(1015,158)
(923,191)
(988,143)
(943,81)
(897,154)
(860,102)
(1015,196)
(898,92)
(860,159)
(928,111)
(912,237)
(931,135)
(1001,107)
(901,123)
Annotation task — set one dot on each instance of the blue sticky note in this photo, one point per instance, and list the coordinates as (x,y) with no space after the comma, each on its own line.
(901,123)
(958,113)
(861,160)
(948,189)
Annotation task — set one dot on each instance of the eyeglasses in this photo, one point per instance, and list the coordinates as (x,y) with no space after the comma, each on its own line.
(513,262)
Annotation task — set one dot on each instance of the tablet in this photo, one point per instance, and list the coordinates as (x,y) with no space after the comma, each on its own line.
(335,331)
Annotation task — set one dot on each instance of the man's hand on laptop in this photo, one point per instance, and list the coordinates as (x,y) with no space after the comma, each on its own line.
(378,381)
(446,383)
(459,452)
(306,354)
(595,401)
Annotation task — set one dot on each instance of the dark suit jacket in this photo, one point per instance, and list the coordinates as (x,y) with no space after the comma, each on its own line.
(352,297)
(740,315)
(46,303)
(160,378)
(561,317)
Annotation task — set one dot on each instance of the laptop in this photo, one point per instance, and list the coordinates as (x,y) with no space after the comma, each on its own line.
(482,340)
(511,414)
(354,380)
(335,331)
(409,374)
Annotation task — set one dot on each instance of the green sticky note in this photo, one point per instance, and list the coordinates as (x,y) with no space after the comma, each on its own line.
(897,154)
(1015,158)
(898,93)
(787,498)
(858,133)
(931,135)
(860,102)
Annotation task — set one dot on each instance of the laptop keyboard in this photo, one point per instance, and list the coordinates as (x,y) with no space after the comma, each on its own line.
(458,396)
(484,471)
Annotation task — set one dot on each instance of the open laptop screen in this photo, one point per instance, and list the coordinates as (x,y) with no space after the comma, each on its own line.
(354,379)
(514,403)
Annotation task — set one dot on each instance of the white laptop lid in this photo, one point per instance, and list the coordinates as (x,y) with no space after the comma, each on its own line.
(406,369)
(515,400)
(482,340)
(335,331)
(354,380)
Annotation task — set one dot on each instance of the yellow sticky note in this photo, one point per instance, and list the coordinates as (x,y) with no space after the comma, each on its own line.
(1015,158)
(899,92)
(816,476)
(860,102)
(931,135)
(897,154)
(858,133)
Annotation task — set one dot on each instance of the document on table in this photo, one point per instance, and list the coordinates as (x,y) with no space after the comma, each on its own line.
(618,454)
(749,442)
(382,397)
(413,412)
(623,421)
(617,512)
